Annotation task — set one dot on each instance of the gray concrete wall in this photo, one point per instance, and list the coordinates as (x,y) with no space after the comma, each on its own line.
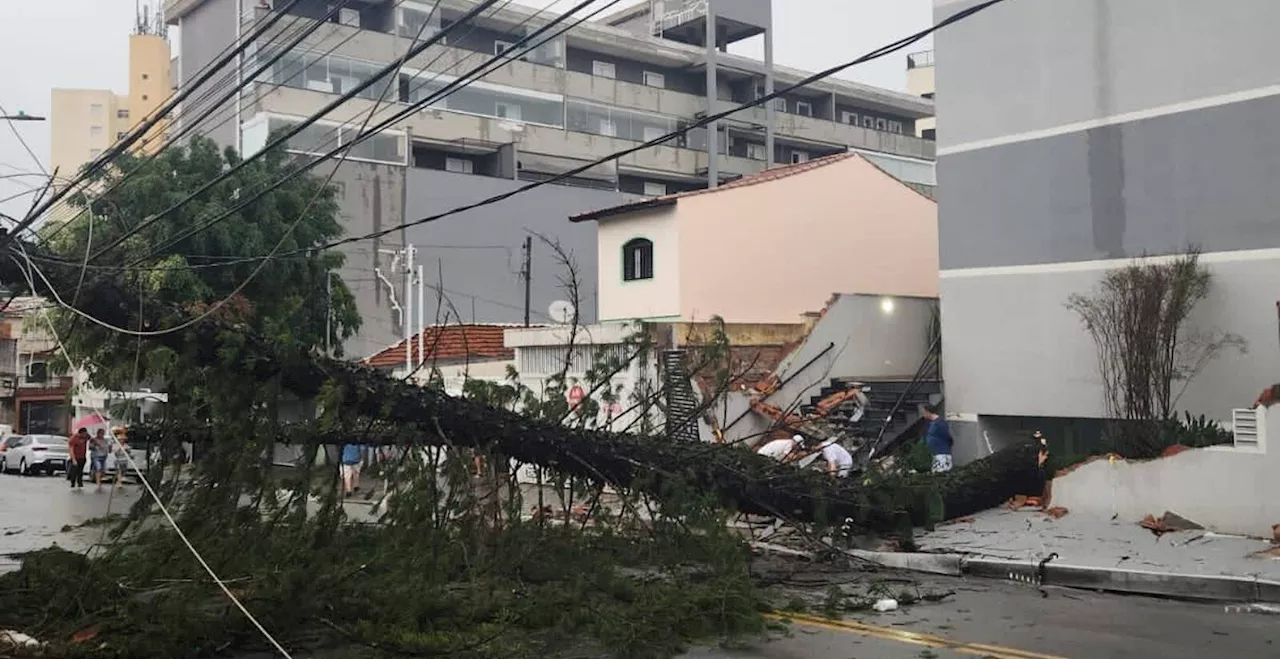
(1153,186)
(371,199)
(1057,63)
(1012,347)
(479,252)
(1225,489)
(206,32)
(869,343)
(752,12)
(1110,139)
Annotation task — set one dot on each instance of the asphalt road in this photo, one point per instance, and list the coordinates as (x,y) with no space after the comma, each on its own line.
(982,618)
(1013,621)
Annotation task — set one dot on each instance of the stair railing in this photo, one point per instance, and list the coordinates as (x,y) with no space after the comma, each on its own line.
(931,357)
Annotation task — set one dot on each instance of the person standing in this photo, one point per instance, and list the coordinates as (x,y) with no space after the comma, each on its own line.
(78,446)
(939,440)
(352,458)
(99,449)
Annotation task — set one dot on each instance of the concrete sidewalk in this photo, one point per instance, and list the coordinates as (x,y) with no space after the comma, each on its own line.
(1113,555)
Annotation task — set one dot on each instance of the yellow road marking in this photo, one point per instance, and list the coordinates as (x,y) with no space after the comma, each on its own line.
(914,638)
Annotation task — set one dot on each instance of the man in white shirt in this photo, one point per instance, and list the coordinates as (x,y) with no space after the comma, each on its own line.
(839,460)
(781,449)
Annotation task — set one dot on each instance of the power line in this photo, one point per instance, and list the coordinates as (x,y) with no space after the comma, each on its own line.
(461,82)
(120,146)
(220,106)
(199,120)
(875,54)
(320,189)
(292,132)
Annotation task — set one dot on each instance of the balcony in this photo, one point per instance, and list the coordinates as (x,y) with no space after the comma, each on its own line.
(920,60)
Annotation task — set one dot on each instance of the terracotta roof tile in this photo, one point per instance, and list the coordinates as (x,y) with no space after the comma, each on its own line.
(449,342)
(755,179)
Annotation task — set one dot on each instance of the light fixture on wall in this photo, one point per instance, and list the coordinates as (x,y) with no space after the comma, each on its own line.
(886,305)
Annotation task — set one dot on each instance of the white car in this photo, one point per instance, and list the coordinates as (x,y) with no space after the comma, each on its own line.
(34,454)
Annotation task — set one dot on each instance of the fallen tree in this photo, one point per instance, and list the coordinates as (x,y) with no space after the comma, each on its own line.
(739,478)
(438,576)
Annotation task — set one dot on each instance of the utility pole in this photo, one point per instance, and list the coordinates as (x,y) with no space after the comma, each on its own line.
(422,323)
(328,314)
(528,277)
(409,252)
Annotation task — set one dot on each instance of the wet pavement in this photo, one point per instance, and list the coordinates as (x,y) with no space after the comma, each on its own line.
(1091,542)
(34,510)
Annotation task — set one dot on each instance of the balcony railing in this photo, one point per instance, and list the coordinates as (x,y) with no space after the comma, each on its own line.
(920,60)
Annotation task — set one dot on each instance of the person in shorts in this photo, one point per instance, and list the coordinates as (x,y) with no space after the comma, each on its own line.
(352,458)
(99,449)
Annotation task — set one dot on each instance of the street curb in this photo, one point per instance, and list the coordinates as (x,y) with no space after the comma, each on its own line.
(1137,582)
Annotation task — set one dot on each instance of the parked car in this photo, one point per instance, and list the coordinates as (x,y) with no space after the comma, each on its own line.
(5,442)
(35,454)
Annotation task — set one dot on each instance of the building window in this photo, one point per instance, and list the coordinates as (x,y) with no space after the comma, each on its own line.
(146,76)
(144,97)
(881,124)
(500,47)
(868,122)
(803,107)
(655,79)
(655,189)
(122,114)
(95,110)
(459,166)
(604,69)
(95,131)
(607,128)
(637,260)
(930,134)
(798,157)
(757,152)
(850,118)
(779,104)
(38,372)
(507,111)
(895,127)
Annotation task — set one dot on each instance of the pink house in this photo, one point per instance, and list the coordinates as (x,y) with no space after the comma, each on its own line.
(767,248)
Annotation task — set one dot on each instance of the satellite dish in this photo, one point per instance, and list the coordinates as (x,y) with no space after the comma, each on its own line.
(561,312)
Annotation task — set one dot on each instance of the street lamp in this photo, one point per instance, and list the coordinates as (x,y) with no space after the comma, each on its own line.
(21,116)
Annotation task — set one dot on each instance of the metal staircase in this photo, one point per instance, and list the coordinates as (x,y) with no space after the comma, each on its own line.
(681,401)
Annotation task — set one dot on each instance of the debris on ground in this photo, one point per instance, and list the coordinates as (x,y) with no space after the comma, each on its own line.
(1056,512)
(885,605)
(968,519)
(1168,523)
(1023,501)
(15,639)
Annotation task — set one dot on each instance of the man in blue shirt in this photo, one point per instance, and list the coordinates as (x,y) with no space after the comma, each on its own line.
(938,438)
(352,458)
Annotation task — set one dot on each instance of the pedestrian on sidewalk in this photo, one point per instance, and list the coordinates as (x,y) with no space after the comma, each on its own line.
(98,452)
(352,458)
(78,447)
(939,440)
(122,454)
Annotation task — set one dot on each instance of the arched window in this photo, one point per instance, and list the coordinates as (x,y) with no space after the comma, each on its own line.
(637,259)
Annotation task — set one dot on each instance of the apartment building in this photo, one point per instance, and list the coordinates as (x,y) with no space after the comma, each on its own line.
(1137,149)
(920,82)
(605,86)
(85,122)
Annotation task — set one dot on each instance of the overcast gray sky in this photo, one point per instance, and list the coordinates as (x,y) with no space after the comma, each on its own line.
(83,44)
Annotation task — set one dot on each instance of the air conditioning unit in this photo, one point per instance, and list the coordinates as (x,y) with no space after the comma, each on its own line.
(348,16)
(1249,429)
